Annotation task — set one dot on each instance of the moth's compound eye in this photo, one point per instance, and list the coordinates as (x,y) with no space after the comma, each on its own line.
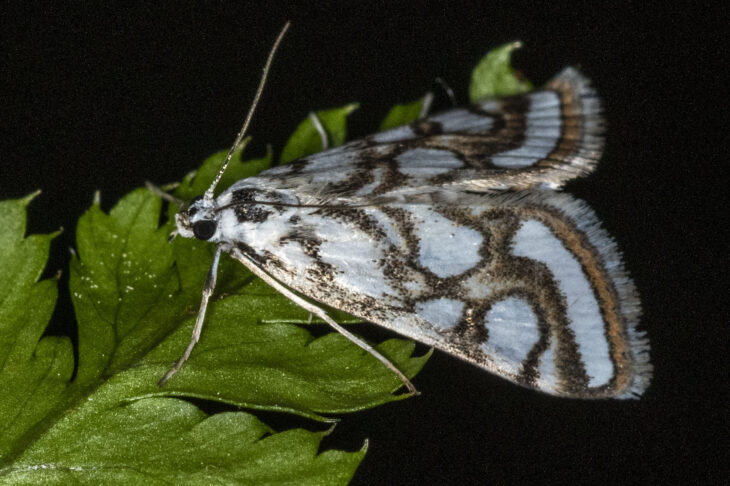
(204,229)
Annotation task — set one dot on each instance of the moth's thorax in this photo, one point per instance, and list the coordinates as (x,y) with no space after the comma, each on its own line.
(254,215)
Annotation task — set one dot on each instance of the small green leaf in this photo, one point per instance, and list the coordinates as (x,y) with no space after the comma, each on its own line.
(402,114)
(306,140)
(196,182)
(494,76)
(34,371)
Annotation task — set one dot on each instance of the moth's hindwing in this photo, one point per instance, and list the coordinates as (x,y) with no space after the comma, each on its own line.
(523,283)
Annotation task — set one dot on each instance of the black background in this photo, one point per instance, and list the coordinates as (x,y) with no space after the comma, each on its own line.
(105,98)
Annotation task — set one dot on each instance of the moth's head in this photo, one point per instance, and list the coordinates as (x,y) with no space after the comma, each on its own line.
(198,220)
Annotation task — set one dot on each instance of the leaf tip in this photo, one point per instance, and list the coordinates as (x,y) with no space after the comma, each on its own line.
(58,232)
(27,199)
(238,151)
(494,76)
(331,429)
(352,107)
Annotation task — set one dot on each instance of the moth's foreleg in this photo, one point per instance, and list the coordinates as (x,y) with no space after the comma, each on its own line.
(164,195)
(208,289)
(319,312)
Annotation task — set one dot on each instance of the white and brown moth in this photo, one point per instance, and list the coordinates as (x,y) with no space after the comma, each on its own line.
(451,231)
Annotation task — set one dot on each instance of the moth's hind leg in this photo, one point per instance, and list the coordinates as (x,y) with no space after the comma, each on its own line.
(426,105)
(320,130)
(322,314)
(356,340)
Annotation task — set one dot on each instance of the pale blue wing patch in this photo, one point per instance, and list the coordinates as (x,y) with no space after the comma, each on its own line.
(513,332)
(463,120)
(443,313)
(423,162)
(445,248)
(535,240)
(394,135)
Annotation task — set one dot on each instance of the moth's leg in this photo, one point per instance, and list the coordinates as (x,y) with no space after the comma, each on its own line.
(319,312)
(320,129)
(167,197)
(429,96)
(447,89)
(309,319)
(208,289)
(426,105)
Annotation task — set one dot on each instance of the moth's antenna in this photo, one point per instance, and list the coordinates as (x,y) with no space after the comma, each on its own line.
(262,83)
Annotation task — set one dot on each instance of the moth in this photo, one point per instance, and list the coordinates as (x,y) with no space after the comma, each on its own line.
(451,231)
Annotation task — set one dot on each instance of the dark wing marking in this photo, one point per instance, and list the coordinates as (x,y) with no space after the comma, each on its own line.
(542,138)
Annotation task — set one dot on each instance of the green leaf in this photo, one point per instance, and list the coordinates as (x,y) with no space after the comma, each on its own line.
(105,426)
(494,76)
(402,114)
(306,140)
